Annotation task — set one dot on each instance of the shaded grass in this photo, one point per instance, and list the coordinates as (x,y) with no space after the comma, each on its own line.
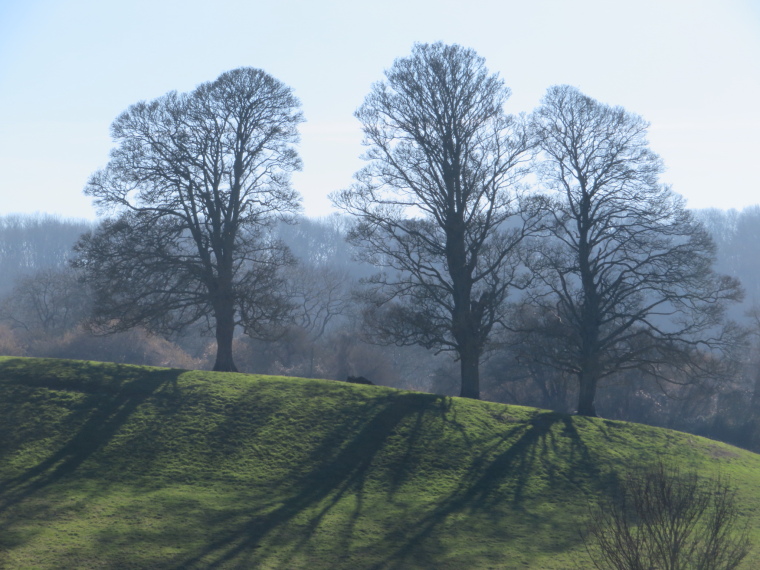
(105,466)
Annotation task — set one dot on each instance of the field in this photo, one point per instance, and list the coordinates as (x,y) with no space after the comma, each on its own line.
(115,466)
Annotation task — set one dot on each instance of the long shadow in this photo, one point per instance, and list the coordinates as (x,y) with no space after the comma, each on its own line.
(342,467)
(501,466)
(108,405)
(483,484)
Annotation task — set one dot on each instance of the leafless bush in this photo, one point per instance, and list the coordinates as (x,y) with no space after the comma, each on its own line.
(135,346)
(9,343)
(663,519)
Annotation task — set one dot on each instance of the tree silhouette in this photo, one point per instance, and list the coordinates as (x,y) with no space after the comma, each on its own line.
(195,183)
(437,206)
(624,271)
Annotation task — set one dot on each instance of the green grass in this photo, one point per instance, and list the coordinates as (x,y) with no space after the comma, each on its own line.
(114,466)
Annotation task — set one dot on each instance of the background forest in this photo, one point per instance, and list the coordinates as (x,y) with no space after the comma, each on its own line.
(45,310)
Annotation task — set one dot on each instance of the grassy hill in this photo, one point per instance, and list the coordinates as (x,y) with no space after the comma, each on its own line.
(114,466)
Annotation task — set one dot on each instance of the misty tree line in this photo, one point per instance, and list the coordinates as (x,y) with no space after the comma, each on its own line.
(541,251)
(45,308)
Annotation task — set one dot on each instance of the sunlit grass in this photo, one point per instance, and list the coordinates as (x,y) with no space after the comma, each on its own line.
(105,465)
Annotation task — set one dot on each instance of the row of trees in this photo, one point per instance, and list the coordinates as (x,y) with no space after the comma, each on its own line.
(551,231)
(31,324)
(617,272)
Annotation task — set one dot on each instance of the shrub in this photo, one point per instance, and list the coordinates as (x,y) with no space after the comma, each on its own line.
(663,519)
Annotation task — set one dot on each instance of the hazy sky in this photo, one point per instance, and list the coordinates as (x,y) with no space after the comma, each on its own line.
(69,67)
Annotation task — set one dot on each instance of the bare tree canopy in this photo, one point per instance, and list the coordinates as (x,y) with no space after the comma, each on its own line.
(437,204)
(625,276)
(196,182)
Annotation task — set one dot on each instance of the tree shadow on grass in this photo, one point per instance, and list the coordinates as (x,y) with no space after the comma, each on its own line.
(503,473)
(112,394)
(339,485)
(342,466)
(500,473)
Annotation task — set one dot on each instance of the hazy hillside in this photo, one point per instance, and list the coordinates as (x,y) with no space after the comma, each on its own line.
(115,466)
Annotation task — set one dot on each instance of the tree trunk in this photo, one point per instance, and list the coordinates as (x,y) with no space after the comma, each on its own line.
(470,366)
(588,377)
(464,323)
(587,393)
(225,329)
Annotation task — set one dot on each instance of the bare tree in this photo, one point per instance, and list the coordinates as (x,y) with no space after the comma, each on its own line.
(625,276)
(322,297)
(666,520)
(437,203)
(196,182)
(49,302)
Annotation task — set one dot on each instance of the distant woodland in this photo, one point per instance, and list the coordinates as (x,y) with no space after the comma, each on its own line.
(46,307)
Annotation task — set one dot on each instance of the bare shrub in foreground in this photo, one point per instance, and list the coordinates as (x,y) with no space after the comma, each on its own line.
(667,520)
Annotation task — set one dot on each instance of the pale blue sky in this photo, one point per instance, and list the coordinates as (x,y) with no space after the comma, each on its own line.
(69,67)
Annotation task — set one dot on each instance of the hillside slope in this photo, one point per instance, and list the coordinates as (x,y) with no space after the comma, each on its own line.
(114,466)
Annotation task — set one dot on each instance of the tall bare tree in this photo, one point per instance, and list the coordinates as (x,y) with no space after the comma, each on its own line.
(195,183)
(437,204)
(625,271)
